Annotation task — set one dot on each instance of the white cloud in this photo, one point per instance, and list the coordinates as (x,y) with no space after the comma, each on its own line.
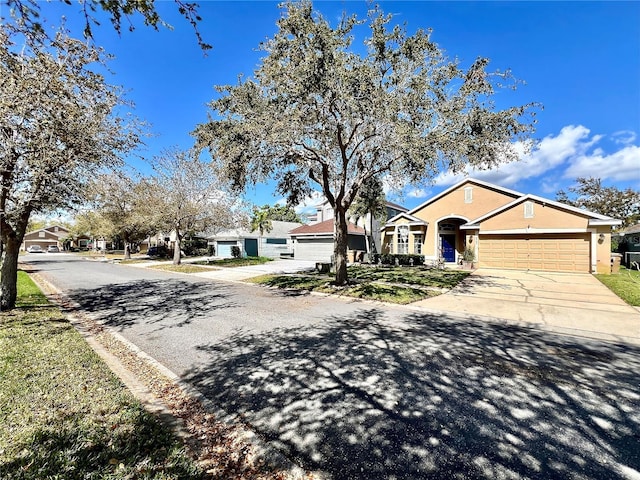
(417,193)
(309,204)
(624,137)
(623,165)
(573,150)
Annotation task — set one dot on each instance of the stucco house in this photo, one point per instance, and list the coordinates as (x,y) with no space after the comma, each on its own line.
(504,228)
(272,244)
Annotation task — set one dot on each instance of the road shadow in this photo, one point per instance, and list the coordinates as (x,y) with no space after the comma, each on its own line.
(167,303)
(367,397)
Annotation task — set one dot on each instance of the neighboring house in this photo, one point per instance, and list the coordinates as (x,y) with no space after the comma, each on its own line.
(315,242)
(273,244)
(505,229)
(325,212)
(45,237)
(629,245)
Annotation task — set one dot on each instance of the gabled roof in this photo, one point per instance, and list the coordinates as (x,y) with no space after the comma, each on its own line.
(324,228)
(62,232)
(412,220)
(595,218)
(491,186)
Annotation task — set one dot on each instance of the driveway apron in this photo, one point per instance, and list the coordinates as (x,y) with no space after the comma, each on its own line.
(576,304)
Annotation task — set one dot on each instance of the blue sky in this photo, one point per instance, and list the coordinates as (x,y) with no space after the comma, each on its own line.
(580,60)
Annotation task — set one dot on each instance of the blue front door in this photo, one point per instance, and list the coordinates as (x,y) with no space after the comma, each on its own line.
(448,247)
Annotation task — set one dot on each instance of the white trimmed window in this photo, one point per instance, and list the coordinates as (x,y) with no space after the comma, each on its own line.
(402,241)
(418,241)
(528,209)
(41,234)
(468,194)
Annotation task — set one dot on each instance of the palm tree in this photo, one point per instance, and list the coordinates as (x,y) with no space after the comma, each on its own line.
(261,221)
(370,200)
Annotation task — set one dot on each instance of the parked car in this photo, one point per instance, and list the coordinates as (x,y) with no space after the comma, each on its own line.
(53,249)
(35,249)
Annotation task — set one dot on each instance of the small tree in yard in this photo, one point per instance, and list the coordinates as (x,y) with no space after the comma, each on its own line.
(317,114)
(57,130)
(370,201)
(123,207)
(189,197)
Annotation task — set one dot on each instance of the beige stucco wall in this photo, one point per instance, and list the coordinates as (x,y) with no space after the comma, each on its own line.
(603,250)
(452,205)
(545,217)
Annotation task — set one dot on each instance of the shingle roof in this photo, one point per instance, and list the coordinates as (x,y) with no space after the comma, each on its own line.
(631,229)
(325,227)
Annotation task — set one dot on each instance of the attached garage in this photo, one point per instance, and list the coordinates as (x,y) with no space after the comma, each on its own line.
(223,249)
(558,252)
(314,249)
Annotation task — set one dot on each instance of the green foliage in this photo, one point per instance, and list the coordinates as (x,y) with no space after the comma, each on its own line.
(61,124)
(235,251)
(282,213)
(590,194)
(469,254)
(261,221)
(406,259)
(190,198)
(28,12)
(317,114)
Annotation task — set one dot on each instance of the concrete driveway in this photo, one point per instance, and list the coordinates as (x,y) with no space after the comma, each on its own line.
(576,304)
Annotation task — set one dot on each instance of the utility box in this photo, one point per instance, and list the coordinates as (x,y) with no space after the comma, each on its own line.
(615,262)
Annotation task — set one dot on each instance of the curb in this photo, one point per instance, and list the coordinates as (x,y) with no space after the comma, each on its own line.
(265,451)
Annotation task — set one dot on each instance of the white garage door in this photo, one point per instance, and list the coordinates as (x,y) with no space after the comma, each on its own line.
(314,249)
(560,253)
(224,249)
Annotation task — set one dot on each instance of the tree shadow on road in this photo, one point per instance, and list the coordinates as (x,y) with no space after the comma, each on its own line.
(165,303)
(366,397)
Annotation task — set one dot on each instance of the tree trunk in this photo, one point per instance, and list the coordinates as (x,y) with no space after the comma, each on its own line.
(9,274)
(176,249)
(340,246)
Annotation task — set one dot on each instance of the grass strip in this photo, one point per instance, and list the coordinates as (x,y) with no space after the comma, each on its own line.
(182,268)
(64,414)
(625,284)
(399,294)
(235,262)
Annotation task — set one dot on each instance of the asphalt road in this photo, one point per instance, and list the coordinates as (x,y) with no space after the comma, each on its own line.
(361,391)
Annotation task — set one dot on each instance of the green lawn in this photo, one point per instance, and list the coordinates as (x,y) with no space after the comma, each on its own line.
(391,284)
(182,268)
(64,414)
(625,284)
(235,262)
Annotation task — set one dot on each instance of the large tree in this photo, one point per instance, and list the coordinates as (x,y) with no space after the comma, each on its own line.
(58,127)
(319,114)
(27,12)
(123,207)
(590,194)
(190,198)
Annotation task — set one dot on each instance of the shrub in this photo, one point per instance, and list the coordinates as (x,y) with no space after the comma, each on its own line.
(235,251)
(404,259)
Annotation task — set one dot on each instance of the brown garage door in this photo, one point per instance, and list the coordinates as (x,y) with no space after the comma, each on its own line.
(561,253)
